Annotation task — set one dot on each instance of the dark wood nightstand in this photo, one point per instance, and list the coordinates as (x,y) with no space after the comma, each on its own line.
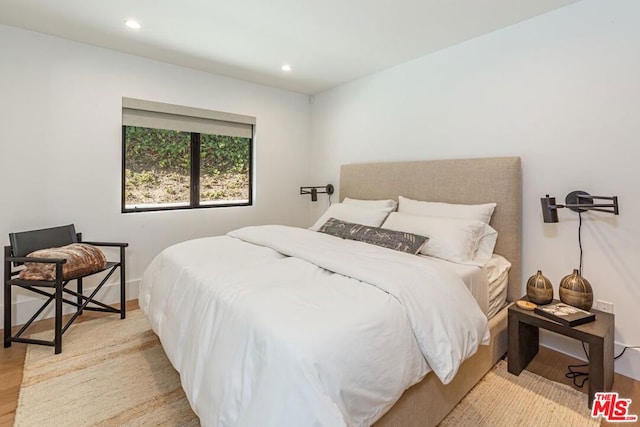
(524,340)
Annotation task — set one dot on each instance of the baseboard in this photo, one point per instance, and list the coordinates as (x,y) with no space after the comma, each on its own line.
(627,365)
(25,305)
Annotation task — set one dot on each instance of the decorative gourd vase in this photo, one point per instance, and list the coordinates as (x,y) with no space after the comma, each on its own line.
(575,290)
(539,289)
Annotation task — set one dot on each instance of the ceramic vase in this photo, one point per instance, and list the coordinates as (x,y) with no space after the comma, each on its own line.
(539,289)
(575,290)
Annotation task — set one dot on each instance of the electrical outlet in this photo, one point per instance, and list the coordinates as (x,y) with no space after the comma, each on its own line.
(605,306)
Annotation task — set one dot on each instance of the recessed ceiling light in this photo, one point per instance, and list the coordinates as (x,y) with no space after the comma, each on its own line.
(286,67)
(132,23)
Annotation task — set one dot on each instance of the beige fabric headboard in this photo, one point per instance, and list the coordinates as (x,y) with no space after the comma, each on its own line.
(468,181)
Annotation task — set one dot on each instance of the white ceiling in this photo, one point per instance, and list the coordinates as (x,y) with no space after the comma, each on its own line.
(327,42)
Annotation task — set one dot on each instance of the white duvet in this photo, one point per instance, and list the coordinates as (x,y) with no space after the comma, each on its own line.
(282,326)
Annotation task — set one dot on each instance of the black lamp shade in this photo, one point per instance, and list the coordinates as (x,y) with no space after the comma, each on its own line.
(549,209)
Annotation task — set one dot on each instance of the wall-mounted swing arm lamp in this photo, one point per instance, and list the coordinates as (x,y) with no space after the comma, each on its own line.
(577,201)
(314,191)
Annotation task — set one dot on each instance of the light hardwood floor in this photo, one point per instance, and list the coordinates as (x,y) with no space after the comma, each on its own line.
(548,363)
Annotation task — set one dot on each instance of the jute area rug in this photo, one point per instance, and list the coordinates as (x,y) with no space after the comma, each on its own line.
(113,372)
(503,399)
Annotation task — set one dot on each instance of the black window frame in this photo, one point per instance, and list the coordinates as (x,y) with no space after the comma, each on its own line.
(194,176)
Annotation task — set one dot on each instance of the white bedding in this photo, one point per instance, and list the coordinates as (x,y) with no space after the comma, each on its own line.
(281,326)
(487,284)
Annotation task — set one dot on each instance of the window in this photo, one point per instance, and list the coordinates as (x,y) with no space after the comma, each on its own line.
(177,157)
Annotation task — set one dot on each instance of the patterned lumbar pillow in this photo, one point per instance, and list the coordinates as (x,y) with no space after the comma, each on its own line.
(82,259)
(397,240)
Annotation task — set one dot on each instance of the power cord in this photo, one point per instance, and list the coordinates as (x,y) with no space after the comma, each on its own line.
(580,239)
(572,373)
(625,349)
(575,375)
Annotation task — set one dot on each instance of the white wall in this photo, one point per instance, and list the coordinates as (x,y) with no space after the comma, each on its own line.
(561,91)
(60,144)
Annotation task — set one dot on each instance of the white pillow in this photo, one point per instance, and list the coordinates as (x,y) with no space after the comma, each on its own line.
(463,241)
(372,204)
(351,213)
(486,245)
(415,207)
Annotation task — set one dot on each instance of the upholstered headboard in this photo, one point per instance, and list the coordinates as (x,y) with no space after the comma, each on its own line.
(468,181)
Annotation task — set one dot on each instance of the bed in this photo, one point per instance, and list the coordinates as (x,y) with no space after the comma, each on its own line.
(256,359)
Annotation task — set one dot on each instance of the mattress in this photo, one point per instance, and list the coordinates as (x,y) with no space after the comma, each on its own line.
(487,284)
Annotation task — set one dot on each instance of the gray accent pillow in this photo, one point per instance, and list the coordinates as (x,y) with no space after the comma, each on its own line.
(391,239)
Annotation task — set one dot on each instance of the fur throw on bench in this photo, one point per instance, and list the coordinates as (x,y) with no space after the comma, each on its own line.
(82,259)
